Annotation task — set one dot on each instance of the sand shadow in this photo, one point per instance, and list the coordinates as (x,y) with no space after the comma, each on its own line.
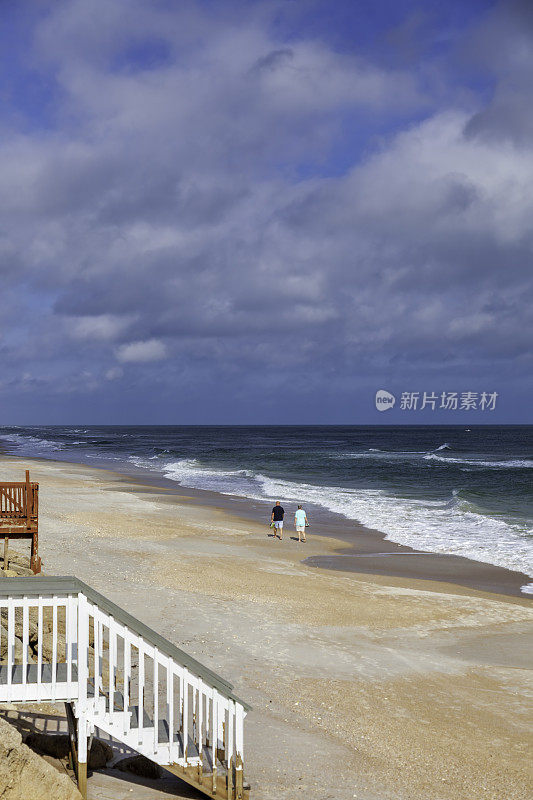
(28,721)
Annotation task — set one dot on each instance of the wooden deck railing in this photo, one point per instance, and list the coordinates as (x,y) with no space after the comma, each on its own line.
(19,517)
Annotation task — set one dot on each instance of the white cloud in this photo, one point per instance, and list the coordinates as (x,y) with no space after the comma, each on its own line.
(114,373)
(101,327)
(140,352)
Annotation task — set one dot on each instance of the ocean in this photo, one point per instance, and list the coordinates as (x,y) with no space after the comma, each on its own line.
(460,490)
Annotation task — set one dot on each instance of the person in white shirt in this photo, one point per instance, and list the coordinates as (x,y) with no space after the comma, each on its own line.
(300,521)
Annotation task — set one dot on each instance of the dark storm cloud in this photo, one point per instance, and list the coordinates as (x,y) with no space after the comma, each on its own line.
(169,239)
(273,59)
(503,47)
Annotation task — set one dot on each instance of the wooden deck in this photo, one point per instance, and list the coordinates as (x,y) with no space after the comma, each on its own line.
(19,517)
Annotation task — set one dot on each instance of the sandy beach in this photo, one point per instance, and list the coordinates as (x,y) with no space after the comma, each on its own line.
(372,686)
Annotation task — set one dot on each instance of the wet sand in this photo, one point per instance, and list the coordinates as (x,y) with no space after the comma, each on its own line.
(362,685)
(356,548)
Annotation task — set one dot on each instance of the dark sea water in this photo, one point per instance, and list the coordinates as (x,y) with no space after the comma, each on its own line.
(442,489)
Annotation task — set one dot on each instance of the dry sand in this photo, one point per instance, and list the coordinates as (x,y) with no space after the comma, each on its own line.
(364,686)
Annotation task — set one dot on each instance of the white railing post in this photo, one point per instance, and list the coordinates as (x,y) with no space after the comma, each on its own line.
(97,650)
(180,701)
(207,718)
(82,754)
(230,744)
(194,713)
(170,707)
(83,674)
(54,648)
(25,643)
(221,720)
(197,721)
(140,692)
(127,682)
(214,735)
(111,665)
(83,652)
(156,700)
(239,755)
(185,717)
(10,646)
(40,648)
(68,642)
(200,723)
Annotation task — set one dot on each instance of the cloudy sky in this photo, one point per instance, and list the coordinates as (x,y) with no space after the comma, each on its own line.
(242,211)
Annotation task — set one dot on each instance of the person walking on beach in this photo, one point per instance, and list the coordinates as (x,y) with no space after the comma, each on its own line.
(278,512)
(300,521)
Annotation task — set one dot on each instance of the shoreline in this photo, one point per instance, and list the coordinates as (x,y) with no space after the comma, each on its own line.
(361,550)
(357,542)
(383,687)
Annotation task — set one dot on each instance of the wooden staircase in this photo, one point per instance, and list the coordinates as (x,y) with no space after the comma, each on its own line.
(118,676)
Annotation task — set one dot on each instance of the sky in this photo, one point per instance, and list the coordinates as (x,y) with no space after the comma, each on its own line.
(264,212)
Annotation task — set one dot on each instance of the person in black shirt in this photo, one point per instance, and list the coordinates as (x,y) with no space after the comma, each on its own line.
(277,518)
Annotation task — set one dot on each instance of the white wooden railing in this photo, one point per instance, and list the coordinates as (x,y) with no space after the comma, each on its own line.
(62,641)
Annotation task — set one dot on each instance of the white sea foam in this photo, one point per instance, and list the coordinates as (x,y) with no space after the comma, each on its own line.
(450,526)
(514,463)
(417,455)
(30,445)
(385,455)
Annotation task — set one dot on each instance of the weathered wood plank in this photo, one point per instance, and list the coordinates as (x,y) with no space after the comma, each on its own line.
(19,516)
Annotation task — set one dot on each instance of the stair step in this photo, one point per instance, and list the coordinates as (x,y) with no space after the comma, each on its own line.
(148,725)
(147,722)
(144,737)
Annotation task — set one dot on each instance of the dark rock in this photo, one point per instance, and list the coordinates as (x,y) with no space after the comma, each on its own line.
(99,754)
(140,765)
(56,745)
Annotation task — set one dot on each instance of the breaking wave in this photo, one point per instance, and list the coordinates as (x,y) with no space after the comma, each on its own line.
(453,525)
(513,463)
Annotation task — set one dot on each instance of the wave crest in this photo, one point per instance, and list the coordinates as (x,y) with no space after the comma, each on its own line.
(515,463)
(454,525)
